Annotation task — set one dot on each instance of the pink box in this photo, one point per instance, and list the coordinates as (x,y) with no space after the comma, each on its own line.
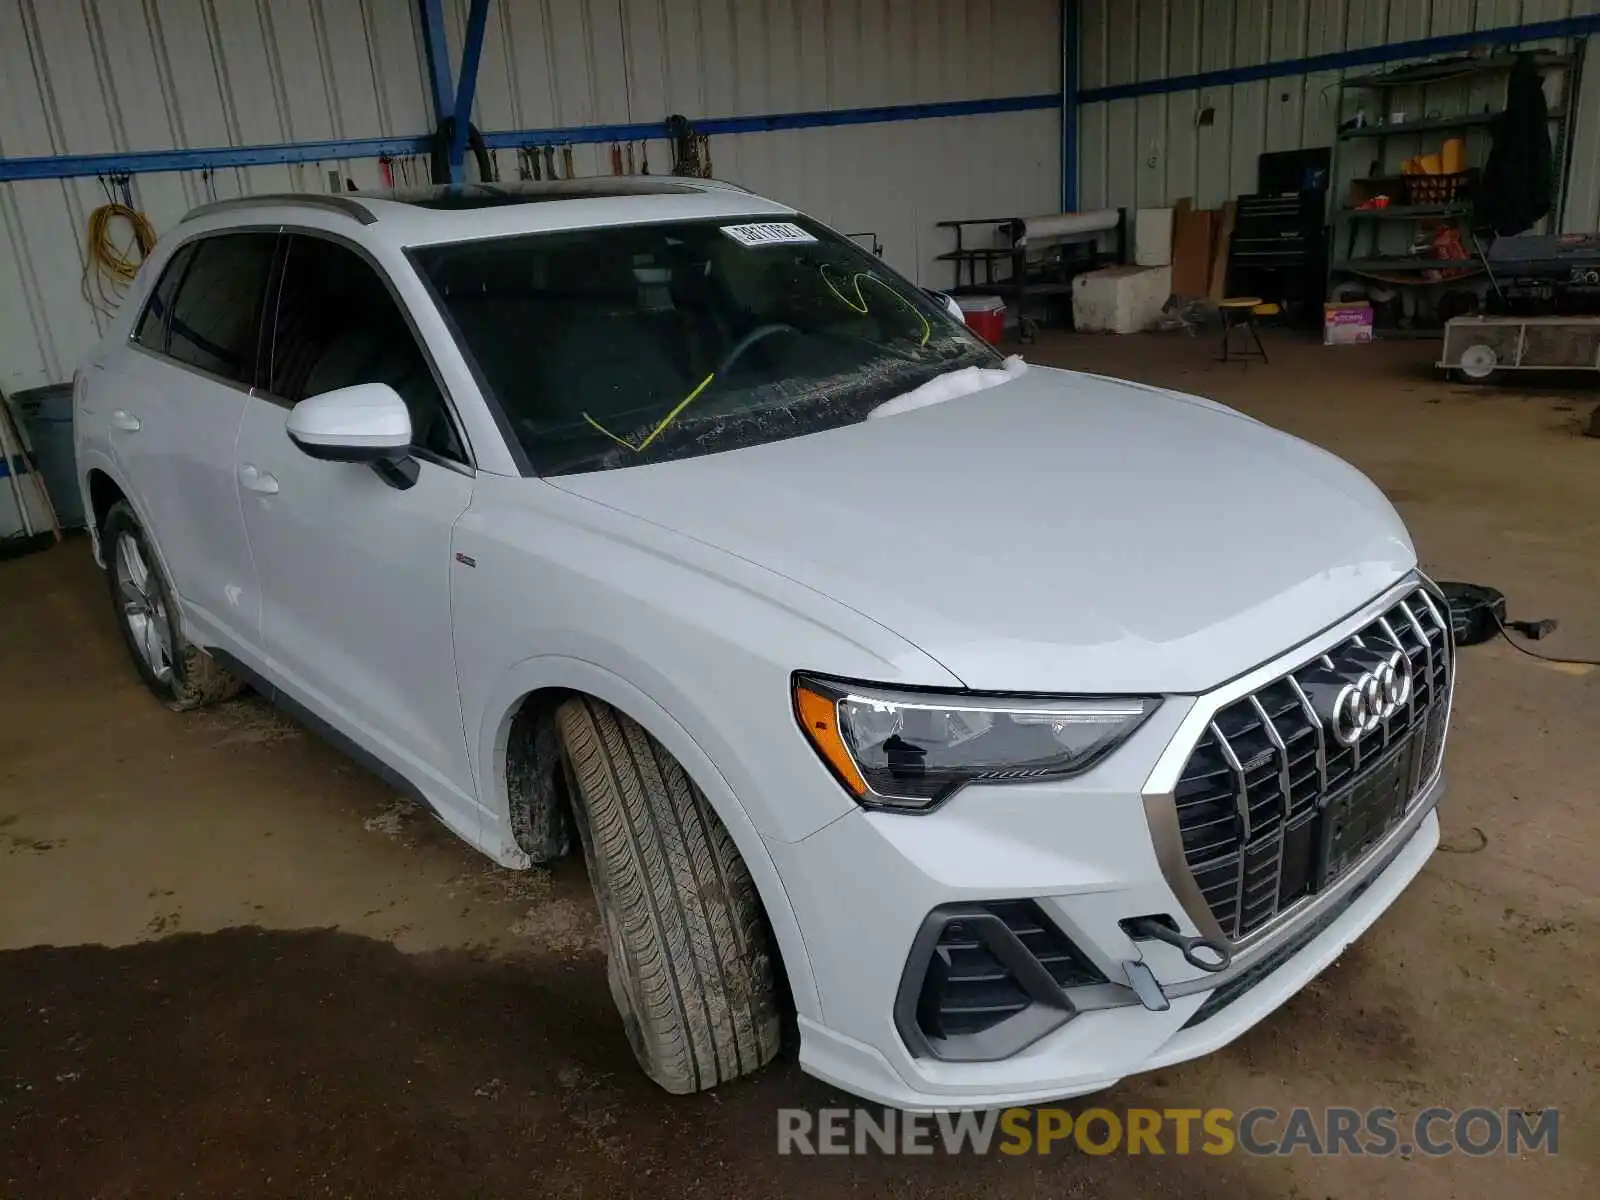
(1346,324)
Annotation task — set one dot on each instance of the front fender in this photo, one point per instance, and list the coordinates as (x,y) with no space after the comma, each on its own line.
(575,674)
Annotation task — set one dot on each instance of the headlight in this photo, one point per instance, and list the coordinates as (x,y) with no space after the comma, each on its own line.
(911,750)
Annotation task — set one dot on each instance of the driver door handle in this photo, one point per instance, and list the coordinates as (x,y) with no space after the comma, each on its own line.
(125,420)
(258,481)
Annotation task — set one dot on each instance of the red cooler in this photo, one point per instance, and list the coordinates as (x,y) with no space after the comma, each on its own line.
(985,315)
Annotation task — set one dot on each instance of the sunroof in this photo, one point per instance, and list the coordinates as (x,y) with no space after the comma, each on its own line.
(495,195)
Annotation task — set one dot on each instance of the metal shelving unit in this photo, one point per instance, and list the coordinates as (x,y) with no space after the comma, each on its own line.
(1352,224)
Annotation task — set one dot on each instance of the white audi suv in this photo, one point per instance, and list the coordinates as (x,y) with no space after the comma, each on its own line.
(1011,729)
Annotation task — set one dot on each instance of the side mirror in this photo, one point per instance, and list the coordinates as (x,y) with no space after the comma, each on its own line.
(948,302)
(366,423)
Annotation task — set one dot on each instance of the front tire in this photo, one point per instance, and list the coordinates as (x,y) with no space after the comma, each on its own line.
(689,957)
(181,676)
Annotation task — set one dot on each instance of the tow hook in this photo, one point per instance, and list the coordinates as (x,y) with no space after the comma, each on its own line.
(1162,929)
(1142,979)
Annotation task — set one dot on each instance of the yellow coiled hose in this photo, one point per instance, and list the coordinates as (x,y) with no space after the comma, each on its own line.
(109,267)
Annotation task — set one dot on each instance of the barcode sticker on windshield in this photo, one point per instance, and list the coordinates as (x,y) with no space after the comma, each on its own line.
(767,233)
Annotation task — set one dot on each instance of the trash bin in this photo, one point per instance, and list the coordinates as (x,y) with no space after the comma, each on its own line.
(47,414)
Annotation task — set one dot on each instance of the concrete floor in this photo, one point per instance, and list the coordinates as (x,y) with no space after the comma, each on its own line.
(232,963)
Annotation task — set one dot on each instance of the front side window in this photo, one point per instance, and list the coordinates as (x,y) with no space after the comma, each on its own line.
(216,313)
(338,325)
(151,332)
(632,344)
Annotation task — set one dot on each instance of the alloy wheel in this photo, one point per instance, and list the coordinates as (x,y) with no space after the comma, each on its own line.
(143,610)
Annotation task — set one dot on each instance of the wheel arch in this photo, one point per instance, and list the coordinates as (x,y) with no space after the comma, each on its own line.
(546,679)
(102,484)
(101,489)
(104,491)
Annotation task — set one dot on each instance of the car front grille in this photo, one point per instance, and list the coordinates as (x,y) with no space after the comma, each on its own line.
(1253,798)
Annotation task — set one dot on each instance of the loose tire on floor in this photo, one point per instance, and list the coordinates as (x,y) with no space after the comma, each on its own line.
(181,676)
(688,953)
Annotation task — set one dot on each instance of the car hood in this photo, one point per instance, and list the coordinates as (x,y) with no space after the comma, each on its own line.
(1061,532)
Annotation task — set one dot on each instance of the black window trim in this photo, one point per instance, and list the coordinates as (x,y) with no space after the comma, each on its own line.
(164,355)
(150,300)
(269,335)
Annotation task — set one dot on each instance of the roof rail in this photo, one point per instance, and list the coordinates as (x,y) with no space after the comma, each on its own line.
(343,205)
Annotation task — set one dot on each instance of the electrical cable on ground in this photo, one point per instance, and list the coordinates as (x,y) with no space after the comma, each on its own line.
(1478,612)
(1549,658)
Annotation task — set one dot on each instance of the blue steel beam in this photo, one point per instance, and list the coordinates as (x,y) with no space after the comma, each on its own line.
(136,162)
(149,161)
(1071,31)
(438,52)
(145,162)
(766,123)
(467,87)
(1337,60)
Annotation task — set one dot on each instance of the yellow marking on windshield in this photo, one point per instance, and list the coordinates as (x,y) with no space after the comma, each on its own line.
(665,421)
(859,304)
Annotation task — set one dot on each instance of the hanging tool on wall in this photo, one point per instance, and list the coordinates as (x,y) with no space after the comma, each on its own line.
(566,161)
(630,159)
(616,158)
(549,161)
(691,150)
(644,158)
(110,263)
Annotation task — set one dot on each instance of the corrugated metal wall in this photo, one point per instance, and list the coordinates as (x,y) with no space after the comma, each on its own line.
(97,76)
(1148,150)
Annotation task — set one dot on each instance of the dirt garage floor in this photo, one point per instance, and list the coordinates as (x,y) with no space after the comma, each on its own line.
(231,963)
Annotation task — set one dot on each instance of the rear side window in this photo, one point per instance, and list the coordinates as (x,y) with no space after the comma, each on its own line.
(151,332)
(216,313)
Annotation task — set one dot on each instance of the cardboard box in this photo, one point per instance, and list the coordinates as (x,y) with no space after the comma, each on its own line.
(1346,324)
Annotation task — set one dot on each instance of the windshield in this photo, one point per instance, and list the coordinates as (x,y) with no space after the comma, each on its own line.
(633,344)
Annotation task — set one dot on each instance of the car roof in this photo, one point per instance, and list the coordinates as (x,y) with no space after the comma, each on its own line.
(458,212)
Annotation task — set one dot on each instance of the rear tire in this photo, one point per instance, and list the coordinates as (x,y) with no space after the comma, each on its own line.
(181,676)
(689,957)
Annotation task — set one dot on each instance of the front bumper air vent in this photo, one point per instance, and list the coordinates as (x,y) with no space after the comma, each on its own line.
(985,980)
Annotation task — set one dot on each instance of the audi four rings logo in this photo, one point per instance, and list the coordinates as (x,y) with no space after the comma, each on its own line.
(1362,706)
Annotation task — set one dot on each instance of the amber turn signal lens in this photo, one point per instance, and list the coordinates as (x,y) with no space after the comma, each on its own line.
(819,717)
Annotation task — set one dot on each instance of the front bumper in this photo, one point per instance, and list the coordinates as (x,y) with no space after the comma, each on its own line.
(1082,850)
(1097,1048)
